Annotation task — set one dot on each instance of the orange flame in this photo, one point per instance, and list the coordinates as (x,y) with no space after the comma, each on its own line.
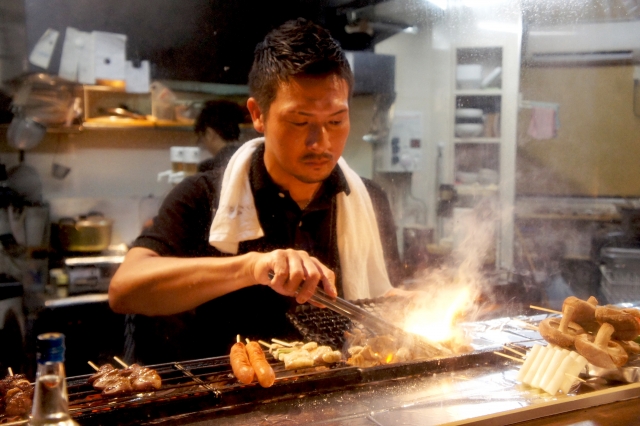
(435,320)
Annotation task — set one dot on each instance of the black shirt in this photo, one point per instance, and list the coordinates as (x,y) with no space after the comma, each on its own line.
(182,229)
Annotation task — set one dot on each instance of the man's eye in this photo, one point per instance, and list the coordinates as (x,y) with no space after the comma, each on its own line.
(335,122)
(298,123)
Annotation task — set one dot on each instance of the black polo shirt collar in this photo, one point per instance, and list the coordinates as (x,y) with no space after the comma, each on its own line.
(262,184)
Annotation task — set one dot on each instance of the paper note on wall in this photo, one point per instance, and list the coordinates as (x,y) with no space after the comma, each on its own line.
(72,47)
(110,55)
(86,59)
(41,54)
(137,78)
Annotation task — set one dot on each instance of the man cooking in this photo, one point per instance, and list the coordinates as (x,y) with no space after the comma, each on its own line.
(287,206)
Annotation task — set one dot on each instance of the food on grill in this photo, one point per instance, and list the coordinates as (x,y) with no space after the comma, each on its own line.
(297,355)
(603,352)
(625,325)
(16,396)
(112,381)
(551,368)
(630,347)
(242,368)
(584,312)
(561,332)
(142,378)
(262,369)
(104,369)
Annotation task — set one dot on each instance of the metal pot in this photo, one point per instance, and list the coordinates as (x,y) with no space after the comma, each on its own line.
(86,233)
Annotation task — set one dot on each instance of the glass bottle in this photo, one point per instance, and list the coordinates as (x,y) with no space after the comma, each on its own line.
(50,401)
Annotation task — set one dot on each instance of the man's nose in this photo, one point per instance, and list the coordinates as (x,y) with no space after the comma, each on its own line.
(317,137)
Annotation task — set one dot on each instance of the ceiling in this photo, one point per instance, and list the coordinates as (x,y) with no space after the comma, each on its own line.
(213,40)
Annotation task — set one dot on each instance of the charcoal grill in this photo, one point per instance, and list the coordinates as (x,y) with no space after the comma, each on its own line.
(206,387)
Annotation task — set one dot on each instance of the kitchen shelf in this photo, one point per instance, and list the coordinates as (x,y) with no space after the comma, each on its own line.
(479,92)
(476,189)
(477,140)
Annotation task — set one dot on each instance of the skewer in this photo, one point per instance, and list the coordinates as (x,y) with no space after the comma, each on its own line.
(282,342)
(95,367)
(121,362)
(514,351)
(10,371)
(237,338)
(524,324)
(545,309)
(247,340)
(509,356)
(575,378)
(265,344)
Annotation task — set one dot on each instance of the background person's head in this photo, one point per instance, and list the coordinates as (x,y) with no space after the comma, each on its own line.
(298,47)
(218,124)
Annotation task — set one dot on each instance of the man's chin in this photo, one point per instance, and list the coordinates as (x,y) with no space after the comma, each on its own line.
(313,177)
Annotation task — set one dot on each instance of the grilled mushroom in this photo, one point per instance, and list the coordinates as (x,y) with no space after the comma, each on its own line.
(603,352)
(625,324)
(561,332)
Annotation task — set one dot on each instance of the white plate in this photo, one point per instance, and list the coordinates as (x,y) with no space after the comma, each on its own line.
(469,130)
(469,113)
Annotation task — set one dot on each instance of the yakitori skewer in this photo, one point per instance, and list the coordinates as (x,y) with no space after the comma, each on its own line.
(95,367)
(10,371)
(540,308)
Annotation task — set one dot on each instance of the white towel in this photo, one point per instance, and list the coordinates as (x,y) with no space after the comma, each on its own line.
(364,274)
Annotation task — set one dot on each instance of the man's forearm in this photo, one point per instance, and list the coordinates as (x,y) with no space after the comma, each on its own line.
(149,284)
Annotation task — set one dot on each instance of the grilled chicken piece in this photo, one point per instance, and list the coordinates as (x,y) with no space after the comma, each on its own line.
(120,385)
(104,369)
(105,380)
(18,402)
(143,379)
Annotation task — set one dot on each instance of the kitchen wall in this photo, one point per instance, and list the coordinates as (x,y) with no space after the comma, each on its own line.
(13,40)
(597,148)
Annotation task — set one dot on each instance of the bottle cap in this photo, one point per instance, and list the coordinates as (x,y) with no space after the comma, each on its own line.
(50,347)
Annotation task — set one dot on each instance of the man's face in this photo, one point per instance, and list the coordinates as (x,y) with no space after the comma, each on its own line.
(305,129)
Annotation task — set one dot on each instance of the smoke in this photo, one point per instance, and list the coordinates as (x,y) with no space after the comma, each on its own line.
(453,291)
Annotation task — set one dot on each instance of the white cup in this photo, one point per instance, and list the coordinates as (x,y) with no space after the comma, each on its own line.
(177,158)
(191,160)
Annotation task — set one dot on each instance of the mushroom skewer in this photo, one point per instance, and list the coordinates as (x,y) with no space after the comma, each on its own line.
(585,312)
(561,332)
(603,352)
(625,325)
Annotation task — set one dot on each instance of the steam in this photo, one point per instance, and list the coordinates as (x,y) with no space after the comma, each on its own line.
(453,290)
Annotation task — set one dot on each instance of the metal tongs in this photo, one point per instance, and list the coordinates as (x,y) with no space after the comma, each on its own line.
(351,311)
(355,313)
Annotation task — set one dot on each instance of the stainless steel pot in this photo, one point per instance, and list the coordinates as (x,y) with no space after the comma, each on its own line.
(88,233)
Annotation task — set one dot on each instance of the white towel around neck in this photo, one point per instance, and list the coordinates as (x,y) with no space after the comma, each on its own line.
(364,274)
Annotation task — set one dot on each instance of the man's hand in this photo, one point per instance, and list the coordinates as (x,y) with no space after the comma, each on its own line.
(295,274)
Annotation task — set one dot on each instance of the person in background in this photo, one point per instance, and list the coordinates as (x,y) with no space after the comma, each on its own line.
(218,130)
(233,252)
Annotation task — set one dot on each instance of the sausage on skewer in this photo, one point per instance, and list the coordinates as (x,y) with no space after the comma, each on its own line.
(263,370)
(240,364)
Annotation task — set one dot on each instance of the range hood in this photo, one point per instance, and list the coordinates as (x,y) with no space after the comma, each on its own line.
(589,43)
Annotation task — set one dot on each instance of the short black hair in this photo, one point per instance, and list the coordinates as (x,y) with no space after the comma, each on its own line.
(222,116)
(297,47)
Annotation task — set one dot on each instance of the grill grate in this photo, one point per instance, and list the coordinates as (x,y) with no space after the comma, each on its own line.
(327,327)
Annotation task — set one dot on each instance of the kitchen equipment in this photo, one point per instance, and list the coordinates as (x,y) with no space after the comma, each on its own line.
(90,233)
(91,274)
(468,130)
(487,177)
(24,132)
(467,113)
(466,177)
(122,112)
(469,76)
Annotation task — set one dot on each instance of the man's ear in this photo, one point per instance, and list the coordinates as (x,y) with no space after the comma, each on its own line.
(256,115)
